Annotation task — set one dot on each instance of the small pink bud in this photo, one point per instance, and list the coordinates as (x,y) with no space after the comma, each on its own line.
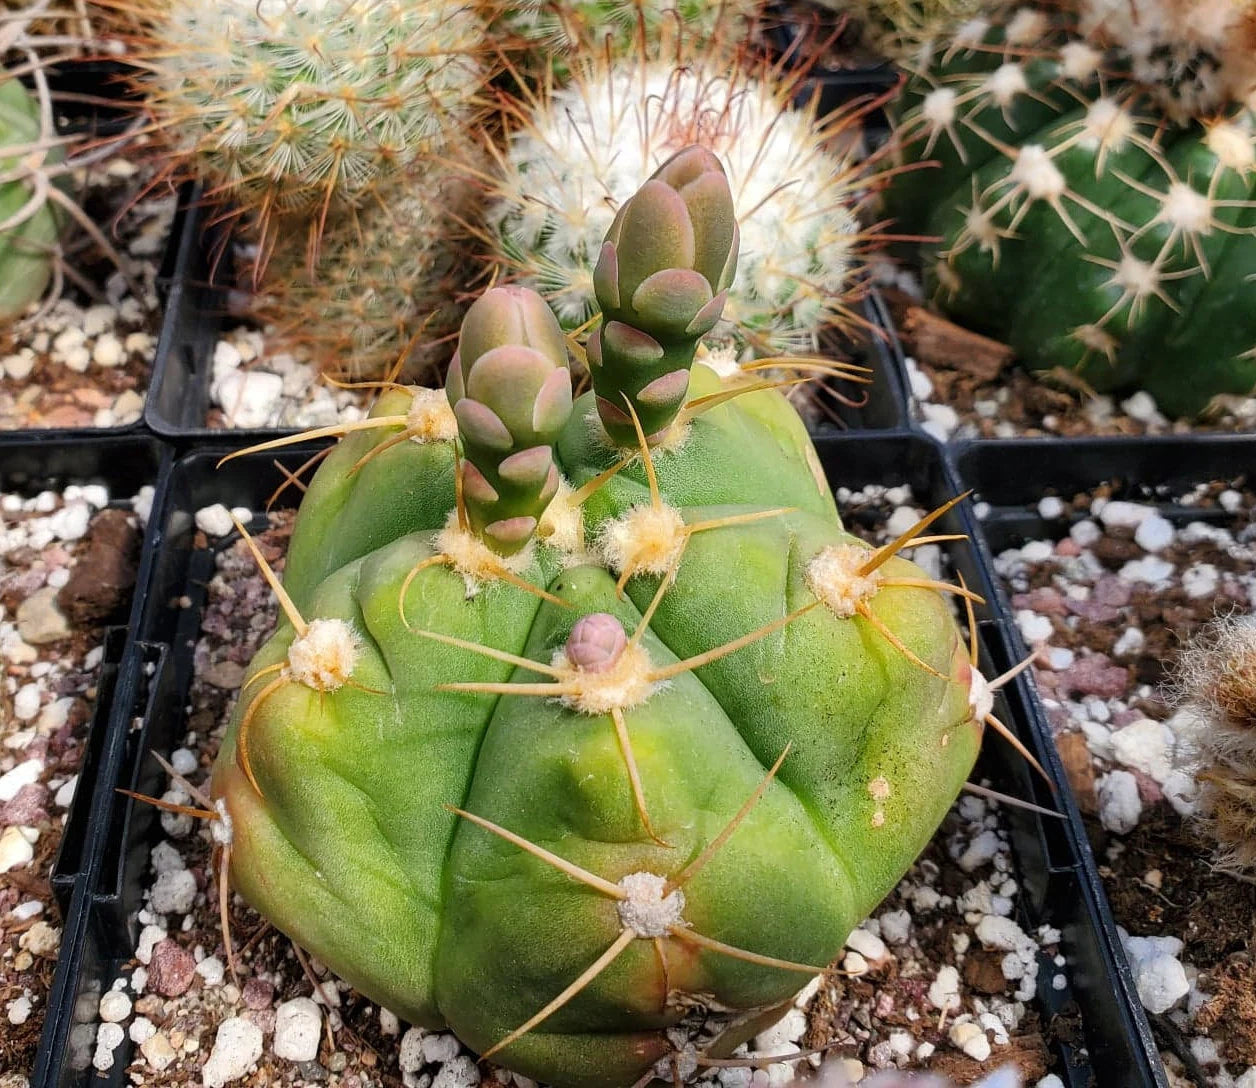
(596,642)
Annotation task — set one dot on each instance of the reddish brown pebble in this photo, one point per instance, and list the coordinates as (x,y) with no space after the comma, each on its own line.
(27,808)
(258,994)
(171,970)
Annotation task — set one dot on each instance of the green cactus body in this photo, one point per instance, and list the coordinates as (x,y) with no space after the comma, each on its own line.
(28,249)
(495,793)
(1076,224)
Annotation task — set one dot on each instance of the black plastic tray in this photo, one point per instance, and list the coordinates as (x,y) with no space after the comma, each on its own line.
(178,403)
(1061,887)
(124,464)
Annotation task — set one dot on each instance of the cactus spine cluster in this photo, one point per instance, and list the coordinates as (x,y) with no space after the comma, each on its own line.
(1216,680)
(1077,221)
(585,793)
(576,154)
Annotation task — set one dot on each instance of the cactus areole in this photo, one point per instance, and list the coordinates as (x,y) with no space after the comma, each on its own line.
(1078,222)
(592,751)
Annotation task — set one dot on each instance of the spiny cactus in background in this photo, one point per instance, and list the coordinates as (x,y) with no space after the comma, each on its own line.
(558,26)
(30,222)
(575,154)
(383,293)
(304,105)
(1077,223)
(900,29)
(1197,56)
(669,749)
(1216,680)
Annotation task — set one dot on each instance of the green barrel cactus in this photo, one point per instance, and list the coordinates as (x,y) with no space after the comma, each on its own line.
(579,744)
(1078,221)
(30,220)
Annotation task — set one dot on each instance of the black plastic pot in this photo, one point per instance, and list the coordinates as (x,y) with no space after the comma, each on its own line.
(1056,870)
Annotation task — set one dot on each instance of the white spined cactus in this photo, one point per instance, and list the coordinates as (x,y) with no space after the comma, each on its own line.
(1199,55)
(577,152)
(563,24)
(296,105)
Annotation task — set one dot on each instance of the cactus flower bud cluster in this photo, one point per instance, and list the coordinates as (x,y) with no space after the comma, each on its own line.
(661,281)
(510,390)
(589,798)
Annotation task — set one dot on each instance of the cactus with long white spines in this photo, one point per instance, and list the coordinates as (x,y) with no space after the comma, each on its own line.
(576,153)
(1077,221)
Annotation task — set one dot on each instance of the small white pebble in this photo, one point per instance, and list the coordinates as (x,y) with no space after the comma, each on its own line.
(237,1048)
(211,970)
(25,773)
(142,1029)
(214,520)
(1033,627)
(173,892)
(410,1052)
(969,1038)
(183,760)
(298,1024)
(1050,508)
(1154,534)
(1119,804)
(115,1007)
(19,1010)
(1126,515)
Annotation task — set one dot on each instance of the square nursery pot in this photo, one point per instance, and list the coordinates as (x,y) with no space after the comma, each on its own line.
(1094,1025)
(94,100)
(196,315)
(124,464)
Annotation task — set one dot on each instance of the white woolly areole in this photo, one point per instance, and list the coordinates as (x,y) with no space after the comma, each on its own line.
(980,696)
(722,359)
(222,830)
(1137,277)
(646,912)
(429,417)
(1080,61)
(1108,124)
(970,34)
(562,526)
(1187,210)
(588,146)
(833,576)
(1034,171)
(475,560)
(621,687)
(1026,27)
(979,223)
(324,657)
(1232,144)
(938,107)
(1005,83)
(644,539)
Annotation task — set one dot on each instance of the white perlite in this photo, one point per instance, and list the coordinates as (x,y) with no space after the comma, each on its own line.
(1120,807)
(297,1026)
(214,520)
(1159,975)
(645,911)
(237,1048)
(173,892)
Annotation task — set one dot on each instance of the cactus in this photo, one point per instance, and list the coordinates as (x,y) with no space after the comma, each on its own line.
(900,29)
(1216,680)
(384,287)
(30,224)
(1197,56)
(576,779)
(577,153)
(1077,222)
(559,26)
(307,105)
